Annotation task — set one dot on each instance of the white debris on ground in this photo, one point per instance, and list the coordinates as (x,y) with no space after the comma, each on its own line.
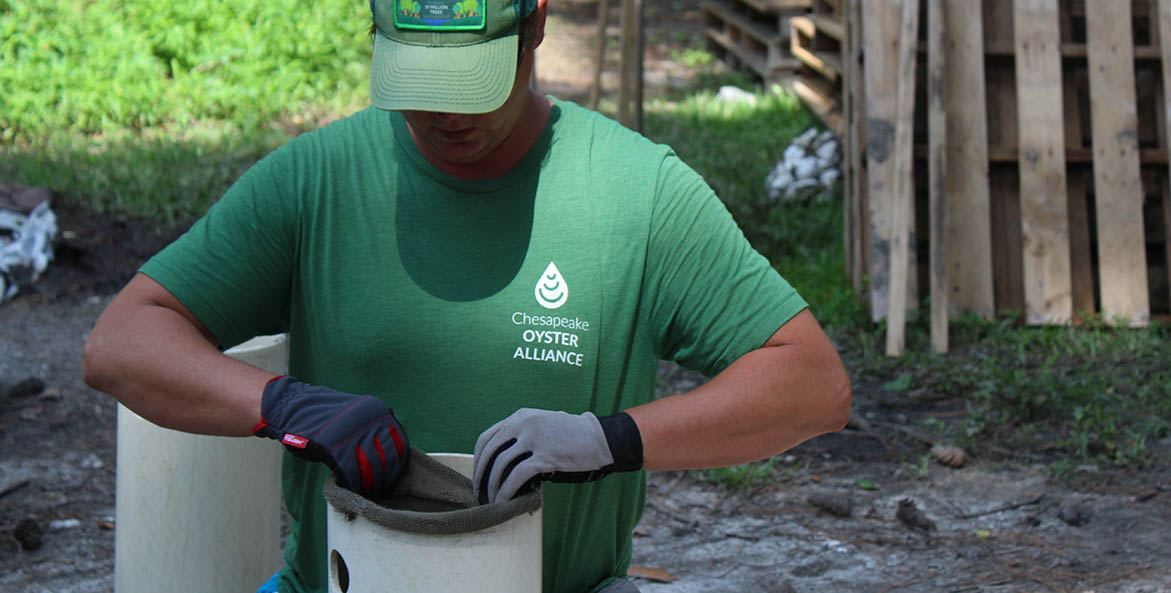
(807,169)
(26,247)
(735,94)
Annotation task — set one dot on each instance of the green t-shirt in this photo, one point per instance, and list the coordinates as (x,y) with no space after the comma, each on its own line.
(559,286)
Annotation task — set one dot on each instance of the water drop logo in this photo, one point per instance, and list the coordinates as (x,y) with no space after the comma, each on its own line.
(551,290)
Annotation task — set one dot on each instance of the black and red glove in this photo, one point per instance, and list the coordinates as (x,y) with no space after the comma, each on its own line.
(355,435)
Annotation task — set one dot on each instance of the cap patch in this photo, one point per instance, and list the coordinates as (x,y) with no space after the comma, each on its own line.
(440,15)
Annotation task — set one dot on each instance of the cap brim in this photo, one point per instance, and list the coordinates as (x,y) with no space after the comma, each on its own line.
(467,79)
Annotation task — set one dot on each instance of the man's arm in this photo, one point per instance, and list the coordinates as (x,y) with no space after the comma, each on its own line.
(157,358)
(791,389)
(151,353)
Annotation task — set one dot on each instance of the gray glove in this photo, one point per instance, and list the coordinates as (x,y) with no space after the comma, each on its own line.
(556,446)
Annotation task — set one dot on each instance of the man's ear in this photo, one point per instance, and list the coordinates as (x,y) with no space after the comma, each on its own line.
(539,33)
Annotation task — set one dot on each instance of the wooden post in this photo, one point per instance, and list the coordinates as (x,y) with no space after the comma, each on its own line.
(855,113)
(1122,267)
(1043,196)
(880,35)
(639,52)
(903,195)
(630,86)
(600,54)
(937,168)
(1164,16)
(969,221)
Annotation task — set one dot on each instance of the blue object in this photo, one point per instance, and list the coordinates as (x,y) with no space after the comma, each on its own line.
(269,586)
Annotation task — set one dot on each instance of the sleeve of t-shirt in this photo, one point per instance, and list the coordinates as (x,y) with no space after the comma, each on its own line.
(233,268)
(712,297)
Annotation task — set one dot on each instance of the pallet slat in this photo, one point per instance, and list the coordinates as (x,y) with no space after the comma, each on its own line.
(855,173)
(969,226)
(902,198)
(1117,183)
(880,43)
(755,33)
(1043,195)
(937,172)
(828,63)
(1164,11)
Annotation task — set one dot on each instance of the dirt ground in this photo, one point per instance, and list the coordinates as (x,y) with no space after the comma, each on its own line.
(828,520)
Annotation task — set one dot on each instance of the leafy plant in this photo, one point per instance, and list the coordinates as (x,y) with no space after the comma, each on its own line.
(743,477)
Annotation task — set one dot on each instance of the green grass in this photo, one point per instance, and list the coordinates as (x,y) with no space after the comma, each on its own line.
(154,108)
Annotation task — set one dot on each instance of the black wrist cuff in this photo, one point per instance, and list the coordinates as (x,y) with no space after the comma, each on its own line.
(624,440)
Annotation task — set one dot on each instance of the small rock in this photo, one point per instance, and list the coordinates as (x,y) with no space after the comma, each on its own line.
(807,168)
(829,177)
(92,462)
(27,388)
(825,137)
(912,517)
(65,524)
(50,395)
(28,533)
(1074,514)
(838,505)
(857,422)
(792,153)
(828,151)
(949,455)
(807,139)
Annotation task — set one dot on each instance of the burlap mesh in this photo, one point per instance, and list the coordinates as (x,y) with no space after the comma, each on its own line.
(430,498)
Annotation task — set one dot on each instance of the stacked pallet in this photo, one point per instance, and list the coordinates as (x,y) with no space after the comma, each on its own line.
(754,34)
(816,40)
(1008,155)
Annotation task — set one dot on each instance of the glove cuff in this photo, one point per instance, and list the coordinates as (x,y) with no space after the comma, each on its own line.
(624,440)
(277,392)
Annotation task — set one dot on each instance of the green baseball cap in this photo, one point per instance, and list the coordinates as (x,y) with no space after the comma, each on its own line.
(450,56)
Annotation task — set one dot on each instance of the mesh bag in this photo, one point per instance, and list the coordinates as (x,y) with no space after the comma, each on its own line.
(430,498)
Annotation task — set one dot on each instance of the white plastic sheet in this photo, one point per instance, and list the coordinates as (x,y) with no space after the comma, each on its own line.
(26,247)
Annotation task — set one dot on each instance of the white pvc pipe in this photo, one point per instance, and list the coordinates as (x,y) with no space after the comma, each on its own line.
(195,513)
(368,558)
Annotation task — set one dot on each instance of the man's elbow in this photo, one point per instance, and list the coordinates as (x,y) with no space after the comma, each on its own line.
(839,399)
(92,364)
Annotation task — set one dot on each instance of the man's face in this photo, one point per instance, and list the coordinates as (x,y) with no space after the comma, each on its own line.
(465,139)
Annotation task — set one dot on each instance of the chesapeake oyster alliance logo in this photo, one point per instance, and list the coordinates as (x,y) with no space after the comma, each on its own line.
(551,290)
(550,337)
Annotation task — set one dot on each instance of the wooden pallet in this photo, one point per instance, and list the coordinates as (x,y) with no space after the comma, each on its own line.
(816,41)
(1053,119)
(754,34)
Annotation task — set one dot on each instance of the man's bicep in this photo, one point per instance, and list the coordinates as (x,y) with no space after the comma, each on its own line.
(802,328)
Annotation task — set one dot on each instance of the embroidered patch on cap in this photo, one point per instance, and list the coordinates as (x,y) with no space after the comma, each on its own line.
(440,15)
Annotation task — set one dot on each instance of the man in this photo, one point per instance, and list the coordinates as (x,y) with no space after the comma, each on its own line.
(504,271)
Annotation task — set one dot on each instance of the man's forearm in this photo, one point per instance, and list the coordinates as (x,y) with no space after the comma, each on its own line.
(769,400)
